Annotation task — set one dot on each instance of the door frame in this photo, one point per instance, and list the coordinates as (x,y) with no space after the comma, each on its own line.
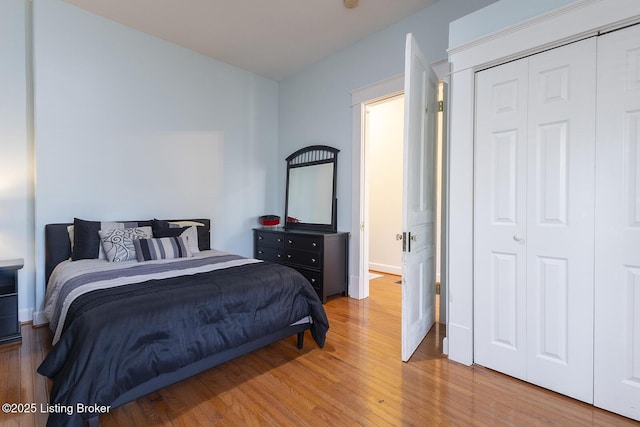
(359,257)
(566,24)
(359,252)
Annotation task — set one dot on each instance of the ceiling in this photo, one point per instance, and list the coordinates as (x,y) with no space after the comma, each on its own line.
(272,38)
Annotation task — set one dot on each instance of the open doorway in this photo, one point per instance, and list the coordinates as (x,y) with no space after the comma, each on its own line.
(368,105)
(384,126)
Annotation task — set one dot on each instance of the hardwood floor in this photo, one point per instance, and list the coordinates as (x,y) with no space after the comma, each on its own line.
(357,379)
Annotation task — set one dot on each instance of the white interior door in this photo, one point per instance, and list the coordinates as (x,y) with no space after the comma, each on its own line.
(500,218)
(617,273)
(418,195)
(534,219)
(560,219)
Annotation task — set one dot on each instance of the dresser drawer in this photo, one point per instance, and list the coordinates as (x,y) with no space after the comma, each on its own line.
(9,306)
(314,277)
(303,258)
(270,254)
(275,240)
(307,243)
(8,326)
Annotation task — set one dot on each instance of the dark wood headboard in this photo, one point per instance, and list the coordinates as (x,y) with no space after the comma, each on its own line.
(57,246)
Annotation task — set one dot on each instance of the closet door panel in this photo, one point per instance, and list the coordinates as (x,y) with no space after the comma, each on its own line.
(617,269)
(560,219)
(499,251)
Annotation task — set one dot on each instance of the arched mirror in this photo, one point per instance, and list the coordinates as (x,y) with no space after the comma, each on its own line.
(311,189)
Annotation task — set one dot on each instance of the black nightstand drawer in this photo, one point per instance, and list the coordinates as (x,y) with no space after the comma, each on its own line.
(304,258)
(8,306)
(8,282)
(270,254)
(308,243)
(275,240)
(8,326)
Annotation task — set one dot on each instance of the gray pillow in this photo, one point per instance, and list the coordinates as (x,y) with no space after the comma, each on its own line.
(118,243)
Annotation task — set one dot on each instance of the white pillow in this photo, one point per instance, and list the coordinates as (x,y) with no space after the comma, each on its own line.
(190,235)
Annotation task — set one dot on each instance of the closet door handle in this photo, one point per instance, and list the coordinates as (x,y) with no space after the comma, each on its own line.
(518,238)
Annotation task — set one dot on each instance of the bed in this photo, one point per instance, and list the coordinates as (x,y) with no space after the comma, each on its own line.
(125,329)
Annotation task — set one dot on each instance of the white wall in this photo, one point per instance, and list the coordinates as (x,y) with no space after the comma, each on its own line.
(131,127)
(16,186)
(498,16)
(384,147)
(315,104)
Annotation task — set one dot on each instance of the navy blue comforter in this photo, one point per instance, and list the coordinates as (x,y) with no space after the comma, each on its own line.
(118,338)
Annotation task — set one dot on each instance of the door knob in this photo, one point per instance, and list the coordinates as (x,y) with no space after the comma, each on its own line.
(398,236)
(518,238)
(414,237)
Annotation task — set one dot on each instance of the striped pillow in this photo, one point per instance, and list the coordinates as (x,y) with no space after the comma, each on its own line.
(161,248)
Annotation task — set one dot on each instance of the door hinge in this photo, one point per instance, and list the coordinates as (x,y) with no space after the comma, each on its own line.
(440,105)
(437,288)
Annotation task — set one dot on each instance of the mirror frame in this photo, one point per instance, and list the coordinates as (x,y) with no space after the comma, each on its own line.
(309,156)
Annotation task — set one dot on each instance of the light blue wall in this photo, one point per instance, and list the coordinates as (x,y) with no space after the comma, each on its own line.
(16,195)
(129,126)
(497,16)
(315,104)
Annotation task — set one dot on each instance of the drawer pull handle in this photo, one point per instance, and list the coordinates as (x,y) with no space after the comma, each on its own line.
(260,238)
(279,255)
(290,241)
(313,260)
(313,280)
(288,256)
(314,244)
(279,239)
(260,252)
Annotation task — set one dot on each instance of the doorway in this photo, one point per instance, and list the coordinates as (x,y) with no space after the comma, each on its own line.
(383,146)
(366,98)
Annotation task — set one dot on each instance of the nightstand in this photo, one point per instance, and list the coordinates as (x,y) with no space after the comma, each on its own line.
(9,325)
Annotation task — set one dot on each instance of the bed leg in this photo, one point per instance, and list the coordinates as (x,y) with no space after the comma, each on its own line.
(300,340)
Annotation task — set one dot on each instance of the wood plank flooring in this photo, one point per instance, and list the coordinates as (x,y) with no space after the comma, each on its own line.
(357,379)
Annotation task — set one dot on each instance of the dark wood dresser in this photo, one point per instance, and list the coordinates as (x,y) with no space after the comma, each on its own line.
(9,325)
(321,256)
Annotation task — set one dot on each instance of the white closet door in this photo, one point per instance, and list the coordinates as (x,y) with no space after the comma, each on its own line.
(534,219)
(617,293)
(500,223)
(560,219)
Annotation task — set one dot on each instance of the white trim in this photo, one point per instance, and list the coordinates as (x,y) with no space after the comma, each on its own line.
(379,90)
(441,68)
(386,268)
(39,318)
(358,286)
(520,26)
(568,23)
(25,314)
(564,25)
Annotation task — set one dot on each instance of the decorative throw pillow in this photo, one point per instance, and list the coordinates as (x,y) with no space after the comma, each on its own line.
(162,248)
(190,234)
(86,241)
(118,243)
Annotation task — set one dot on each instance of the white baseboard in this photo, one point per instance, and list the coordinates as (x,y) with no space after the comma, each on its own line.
(39,318)
(25,315)
(384,268)
(460,343)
